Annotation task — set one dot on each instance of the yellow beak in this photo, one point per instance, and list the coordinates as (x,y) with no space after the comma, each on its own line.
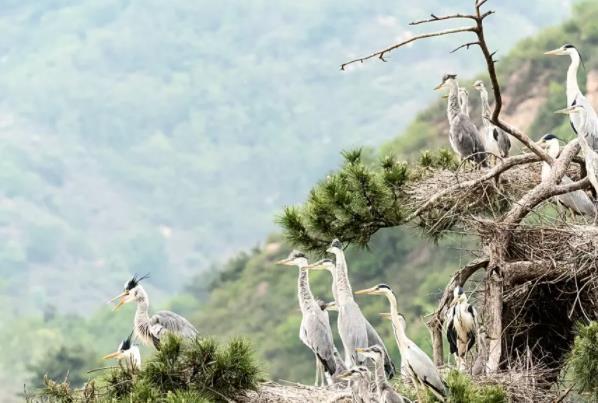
(439,86)
(555,52)
(369,291)
(565,111)
(385,315)
(116,354)
(121,298)
(359,349)
(286,262)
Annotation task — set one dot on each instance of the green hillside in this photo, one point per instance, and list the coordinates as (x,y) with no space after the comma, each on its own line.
(259,299)
(117,164)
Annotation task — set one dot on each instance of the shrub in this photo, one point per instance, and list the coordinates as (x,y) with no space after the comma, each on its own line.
(583,359)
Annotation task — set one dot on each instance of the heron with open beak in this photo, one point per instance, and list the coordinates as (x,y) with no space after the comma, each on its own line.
(150,330)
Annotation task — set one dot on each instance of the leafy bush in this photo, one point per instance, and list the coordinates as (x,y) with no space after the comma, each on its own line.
(194,371)
(583,360)
(463,390)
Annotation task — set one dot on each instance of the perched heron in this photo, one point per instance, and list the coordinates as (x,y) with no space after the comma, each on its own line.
(463,134)
(315,331)
(385,392)
(359,378)
(150,330)
(420,367)
(325,307)
(578,201)
(127,353)
(351,310)
(496,141)
(464,101)
(587,125)
(461,326)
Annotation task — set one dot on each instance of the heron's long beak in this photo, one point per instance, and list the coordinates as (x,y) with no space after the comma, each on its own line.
(439,86)
(359,350)
(116,354)
(331,306)
(284,261)
(555,52)
(385,315)
(344,375)
(121,298)
(369,291)
(566,111)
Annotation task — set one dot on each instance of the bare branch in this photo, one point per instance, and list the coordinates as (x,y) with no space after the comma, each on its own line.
(446,17)
(523,138)
(465,45)
(380,54)
(497,170)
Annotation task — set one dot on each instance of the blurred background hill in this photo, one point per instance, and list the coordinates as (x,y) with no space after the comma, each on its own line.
(164,137)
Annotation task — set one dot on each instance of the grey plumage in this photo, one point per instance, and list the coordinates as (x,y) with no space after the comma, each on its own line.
(587,126)
(461,326)
(359,377)
(384,390)
(578,201)
(464,136)
(496,141)
(151,330)
(314,331)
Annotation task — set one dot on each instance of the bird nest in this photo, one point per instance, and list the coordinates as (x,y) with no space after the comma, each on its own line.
(550,284)
(463,203)
(271,392)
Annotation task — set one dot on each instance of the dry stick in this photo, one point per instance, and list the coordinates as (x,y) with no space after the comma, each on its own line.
(446,17)
(380,54)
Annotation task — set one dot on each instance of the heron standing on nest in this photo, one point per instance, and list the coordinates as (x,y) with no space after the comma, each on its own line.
(464,136)
(151,330)
(496,141)
(372,335)
(315,331)
(461,326)
(420,367)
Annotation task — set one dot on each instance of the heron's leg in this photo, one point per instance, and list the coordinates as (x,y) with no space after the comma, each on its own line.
(317,371)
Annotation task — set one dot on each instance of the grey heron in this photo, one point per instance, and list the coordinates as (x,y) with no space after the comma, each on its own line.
(585,126)
(384,390)
(351,310)
(464,136)
(464,101)
(496,141)
(578,201)
(325,307)
(589,125)
(315,331)
(359,378)
(150,330)
(461,326)
(420,367)
(128,353)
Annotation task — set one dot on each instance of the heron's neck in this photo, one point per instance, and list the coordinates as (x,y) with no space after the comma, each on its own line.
(464,105)
(485,106)
(379,374)
(343,287)
(334,292)
(142,312)
(453,108)
(572,86)
(306,298)
(394,310)
(399,332)
(553,151)
(133,358)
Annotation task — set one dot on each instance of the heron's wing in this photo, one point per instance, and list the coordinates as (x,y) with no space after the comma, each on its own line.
(471,335)
(373,339)
(578,201)
(504,143)
(424,369)
(389,395)
(451,333)
(319,336)
(467,137)
(166,321)
(352,329)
